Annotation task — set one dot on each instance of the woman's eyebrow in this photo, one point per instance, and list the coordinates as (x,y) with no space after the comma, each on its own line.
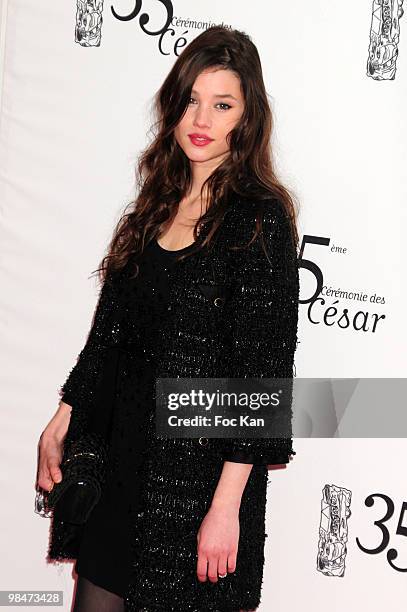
(217,95)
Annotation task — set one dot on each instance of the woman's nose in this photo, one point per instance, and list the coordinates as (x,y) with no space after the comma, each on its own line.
(202,118)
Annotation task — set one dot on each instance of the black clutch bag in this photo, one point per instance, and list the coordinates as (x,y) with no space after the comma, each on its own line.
(84,469)
(84,463)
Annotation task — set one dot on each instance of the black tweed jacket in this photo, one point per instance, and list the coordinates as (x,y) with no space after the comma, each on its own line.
(251,331)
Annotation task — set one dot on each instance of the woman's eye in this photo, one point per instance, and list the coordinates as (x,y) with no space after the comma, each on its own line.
(224,104)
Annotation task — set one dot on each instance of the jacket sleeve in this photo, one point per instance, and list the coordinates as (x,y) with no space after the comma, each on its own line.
(79,387)
(264,333)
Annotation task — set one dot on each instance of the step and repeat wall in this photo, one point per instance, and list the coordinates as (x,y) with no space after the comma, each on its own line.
(77,83)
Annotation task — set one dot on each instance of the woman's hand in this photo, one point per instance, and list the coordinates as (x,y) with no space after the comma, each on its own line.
(50,448)
(218,539)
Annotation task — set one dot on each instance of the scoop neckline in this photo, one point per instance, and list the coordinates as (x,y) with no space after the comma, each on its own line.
(172,250)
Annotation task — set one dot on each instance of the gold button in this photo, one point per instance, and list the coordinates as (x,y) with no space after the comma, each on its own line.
(218,301)
(203,441)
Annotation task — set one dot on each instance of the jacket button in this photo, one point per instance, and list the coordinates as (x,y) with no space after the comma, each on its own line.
(203,441)
(218,301)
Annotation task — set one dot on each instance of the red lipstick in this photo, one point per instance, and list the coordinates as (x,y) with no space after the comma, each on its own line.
(200,140)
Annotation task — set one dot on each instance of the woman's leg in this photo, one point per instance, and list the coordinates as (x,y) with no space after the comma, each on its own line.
(92,598)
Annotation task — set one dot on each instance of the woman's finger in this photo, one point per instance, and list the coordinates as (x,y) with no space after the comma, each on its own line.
(49,471)
(54,470)
(213,567)
(45,480)
(202,567)
(222,565)
(232,561)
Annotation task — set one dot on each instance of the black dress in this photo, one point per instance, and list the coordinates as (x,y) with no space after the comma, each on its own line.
(106,560)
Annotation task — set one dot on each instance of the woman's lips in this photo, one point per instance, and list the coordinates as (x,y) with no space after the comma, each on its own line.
(199,142)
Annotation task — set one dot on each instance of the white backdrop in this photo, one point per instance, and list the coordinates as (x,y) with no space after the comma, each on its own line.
(73,120)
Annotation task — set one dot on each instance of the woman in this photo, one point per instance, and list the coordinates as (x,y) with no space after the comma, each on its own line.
(201,280)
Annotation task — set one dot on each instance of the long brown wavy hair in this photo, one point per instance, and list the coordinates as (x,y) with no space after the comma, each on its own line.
(163,173)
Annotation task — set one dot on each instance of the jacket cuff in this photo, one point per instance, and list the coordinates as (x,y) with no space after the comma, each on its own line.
(273,458)
(68,398)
